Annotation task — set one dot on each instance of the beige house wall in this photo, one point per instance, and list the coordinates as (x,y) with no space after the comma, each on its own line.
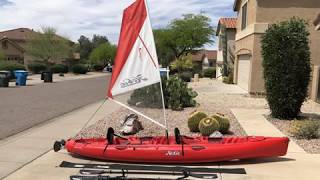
(244,46)
(251,13)
(261,13)
(11,50)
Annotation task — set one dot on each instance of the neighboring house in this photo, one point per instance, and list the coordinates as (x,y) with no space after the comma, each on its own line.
(13,44)
(13,52)
(254,18)
(205,58)
(226,32)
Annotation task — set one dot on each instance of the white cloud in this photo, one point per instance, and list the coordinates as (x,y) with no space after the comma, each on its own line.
(73,18)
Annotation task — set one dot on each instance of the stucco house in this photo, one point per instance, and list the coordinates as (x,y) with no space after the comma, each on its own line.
(254,17)
(205,58)
(13,44)
(226,33)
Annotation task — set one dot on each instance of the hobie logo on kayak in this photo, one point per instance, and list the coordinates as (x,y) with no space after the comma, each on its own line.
(173,153)
(132,81)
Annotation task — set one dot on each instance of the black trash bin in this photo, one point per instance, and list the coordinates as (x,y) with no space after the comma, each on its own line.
(4,78)
(46,77)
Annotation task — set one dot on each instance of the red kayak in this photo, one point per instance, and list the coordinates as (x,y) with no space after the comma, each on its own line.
(190,150)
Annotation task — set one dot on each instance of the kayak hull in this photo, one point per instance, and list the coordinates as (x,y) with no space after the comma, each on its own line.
(194,150)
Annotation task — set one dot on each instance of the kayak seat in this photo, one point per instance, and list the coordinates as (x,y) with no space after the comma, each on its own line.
(234,140)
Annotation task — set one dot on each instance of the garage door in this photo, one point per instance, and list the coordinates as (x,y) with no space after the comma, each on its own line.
(243,71)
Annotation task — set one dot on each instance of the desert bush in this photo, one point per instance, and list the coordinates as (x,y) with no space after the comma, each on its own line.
(194,120)
(59,68)
(79,69)
(11,66)
(186,76)
(184,63)
(37,68)
(98,67)
(224,123)
(228,79)
(177,95)
(307,129)
(209,73)
(208,125)
(197,68)
(286,67)
(8,66)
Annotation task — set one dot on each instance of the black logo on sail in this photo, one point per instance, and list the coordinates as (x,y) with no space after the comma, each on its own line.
(132,81)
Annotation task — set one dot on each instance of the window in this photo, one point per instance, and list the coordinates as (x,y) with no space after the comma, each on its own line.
(4,45)
(244,16)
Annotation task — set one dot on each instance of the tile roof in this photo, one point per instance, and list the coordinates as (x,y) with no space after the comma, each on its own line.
(18,34)
(23,34)
(229,22)
(200,55)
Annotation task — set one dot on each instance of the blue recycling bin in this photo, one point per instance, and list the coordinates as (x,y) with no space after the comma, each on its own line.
(21,77)
(164,72)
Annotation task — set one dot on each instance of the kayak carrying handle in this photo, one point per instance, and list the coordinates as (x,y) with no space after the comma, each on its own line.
(121,147)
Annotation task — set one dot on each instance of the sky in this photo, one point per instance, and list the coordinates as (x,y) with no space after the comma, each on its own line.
(73,18)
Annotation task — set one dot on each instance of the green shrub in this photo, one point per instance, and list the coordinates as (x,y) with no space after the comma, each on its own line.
(182,64)
(98,67)
(207,126)
(176,93)
(11,66)
(37,68)
(286,63)
(224,123)
(308,129)
(79,69)
(197,68)
(59,68)
(194,120)
(209,73)
(186,76)
(228,79)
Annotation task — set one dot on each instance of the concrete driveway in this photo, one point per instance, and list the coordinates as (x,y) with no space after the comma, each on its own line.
(213,86)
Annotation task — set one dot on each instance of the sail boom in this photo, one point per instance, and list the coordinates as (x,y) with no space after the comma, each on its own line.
(139,113)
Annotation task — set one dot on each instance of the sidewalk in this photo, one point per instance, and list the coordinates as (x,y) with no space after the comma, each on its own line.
(23,148)
(36,78)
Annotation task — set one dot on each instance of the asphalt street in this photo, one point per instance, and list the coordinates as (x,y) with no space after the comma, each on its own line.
(24,107)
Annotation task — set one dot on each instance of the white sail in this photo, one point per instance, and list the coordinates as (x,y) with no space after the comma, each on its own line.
(136,64)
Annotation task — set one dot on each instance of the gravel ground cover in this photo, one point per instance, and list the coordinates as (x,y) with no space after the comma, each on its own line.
(209,103)
(310,146)
(175,119)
